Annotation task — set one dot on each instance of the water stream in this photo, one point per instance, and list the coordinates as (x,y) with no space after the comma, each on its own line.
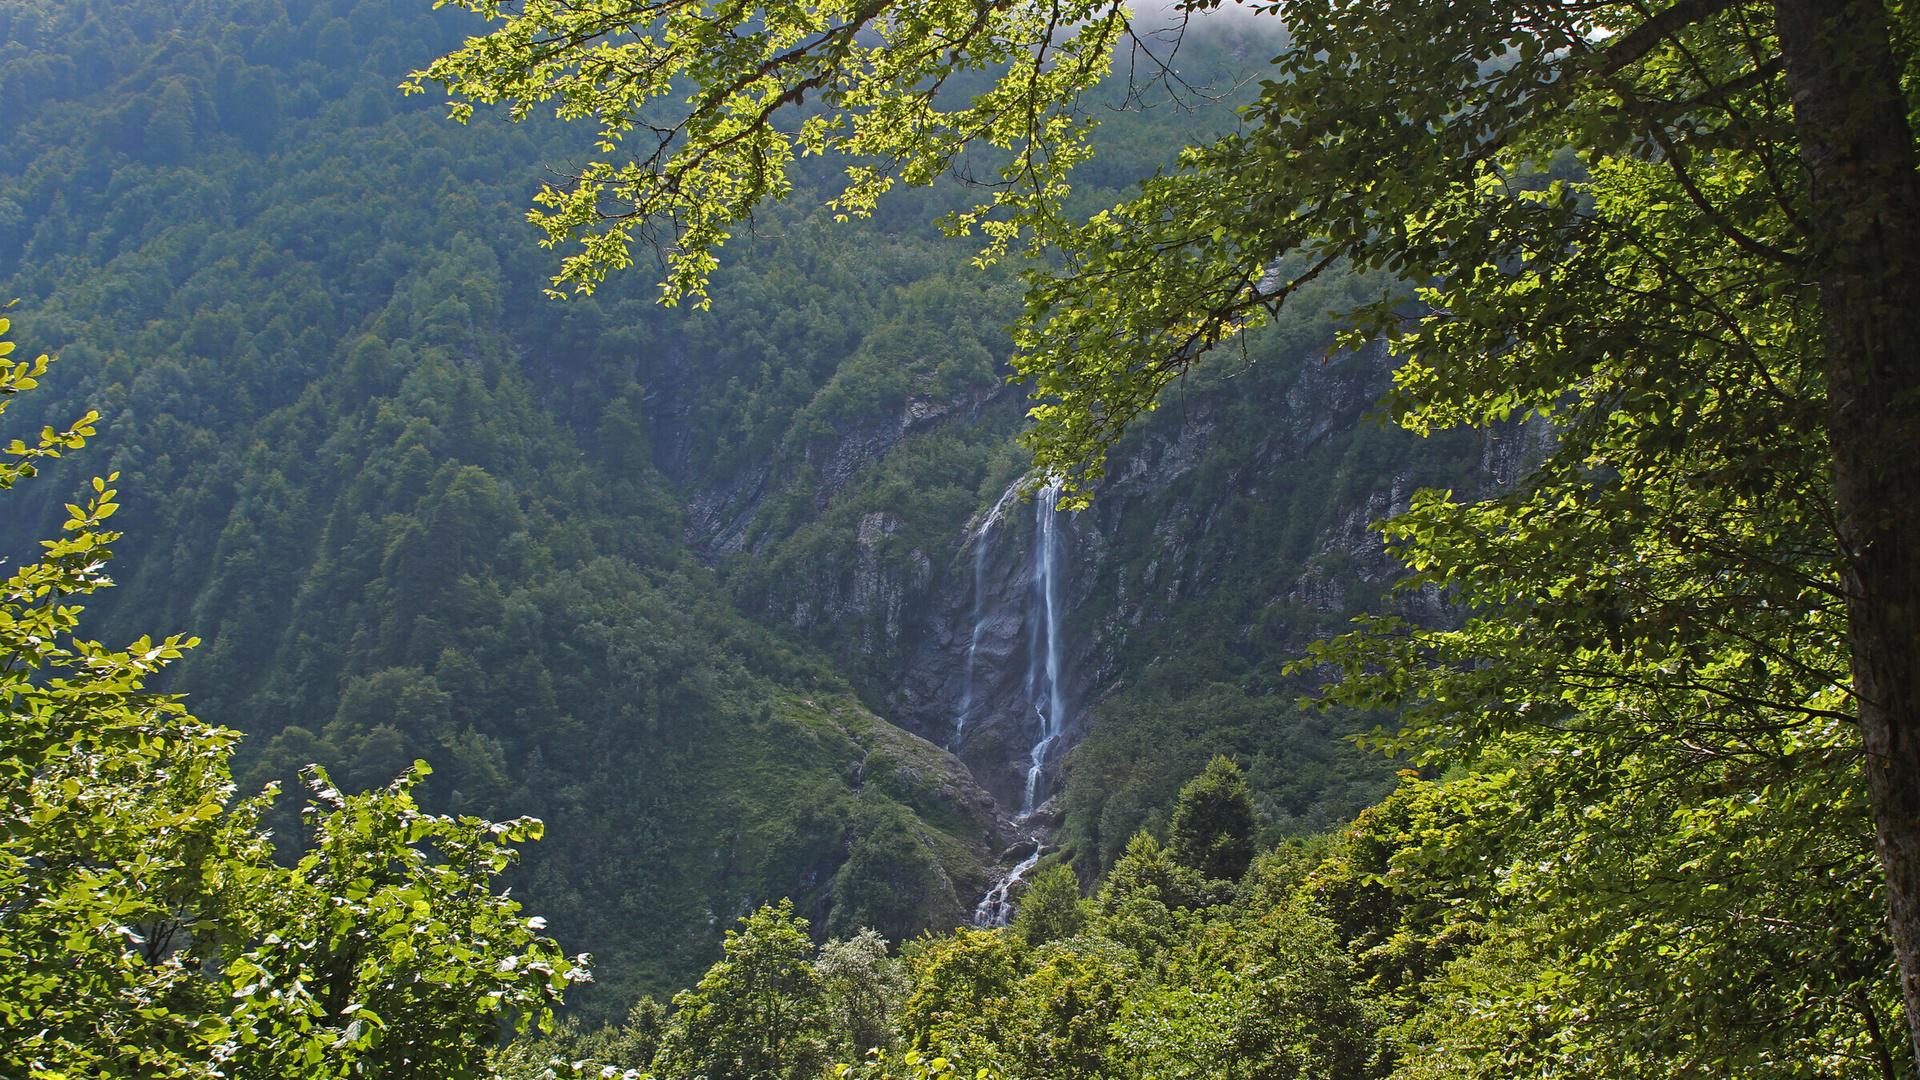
(1045,696)
(1044,692)
(981,536)
(996,908)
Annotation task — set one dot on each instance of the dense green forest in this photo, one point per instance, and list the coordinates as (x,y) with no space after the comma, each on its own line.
(1537,444)
(1394,946)
(415,510)
(154,928)
(398,535)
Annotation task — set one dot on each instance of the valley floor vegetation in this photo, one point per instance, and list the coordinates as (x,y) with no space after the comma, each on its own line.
(1453,930)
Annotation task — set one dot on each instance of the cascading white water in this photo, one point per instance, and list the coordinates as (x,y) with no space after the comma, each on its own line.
(1044,692)
(973,645)
(996,908)
(980,538)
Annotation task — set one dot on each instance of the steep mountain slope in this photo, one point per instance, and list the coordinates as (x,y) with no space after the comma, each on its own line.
(410,507)
(1232,531)
(708,592)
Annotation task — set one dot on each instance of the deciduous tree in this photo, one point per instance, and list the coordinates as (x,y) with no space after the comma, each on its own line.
(1677,233)
(758,1012)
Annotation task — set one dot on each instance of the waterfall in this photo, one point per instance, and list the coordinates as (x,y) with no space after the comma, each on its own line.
(1045,697)
(980,550)
(973,644)
(995,909)
(1044,692)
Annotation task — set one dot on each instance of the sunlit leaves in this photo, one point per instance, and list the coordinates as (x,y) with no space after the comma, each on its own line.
(703,108)
(384,947)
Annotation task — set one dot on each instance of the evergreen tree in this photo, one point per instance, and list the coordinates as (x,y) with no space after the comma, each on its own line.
(1212,829)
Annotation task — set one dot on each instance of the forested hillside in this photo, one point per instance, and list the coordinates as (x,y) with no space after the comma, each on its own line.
(411,507)
(1305,540)
(668,580)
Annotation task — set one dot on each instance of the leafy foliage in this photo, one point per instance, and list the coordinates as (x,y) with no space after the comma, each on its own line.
(757,1012)
(862,988)
(875,74)
(1460,928)
(414,517)
(1644,228)
(150,931)
(1050,907)
(416,513)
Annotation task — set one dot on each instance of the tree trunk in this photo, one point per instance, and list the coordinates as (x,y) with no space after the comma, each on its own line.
(1858,151)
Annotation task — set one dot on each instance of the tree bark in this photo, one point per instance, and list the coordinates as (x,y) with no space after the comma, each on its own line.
(1857,148)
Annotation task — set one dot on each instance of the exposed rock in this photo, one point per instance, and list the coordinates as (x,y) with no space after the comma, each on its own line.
(956,627)
(720,518)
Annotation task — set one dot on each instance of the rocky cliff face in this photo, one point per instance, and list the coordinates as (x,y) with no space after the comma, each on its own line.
(721,519)
(1251,498)
(1157,537)
(973,679)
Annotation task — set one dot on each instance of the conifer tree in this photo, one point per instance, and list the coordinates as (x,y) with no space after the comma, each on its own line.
(1212,829)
